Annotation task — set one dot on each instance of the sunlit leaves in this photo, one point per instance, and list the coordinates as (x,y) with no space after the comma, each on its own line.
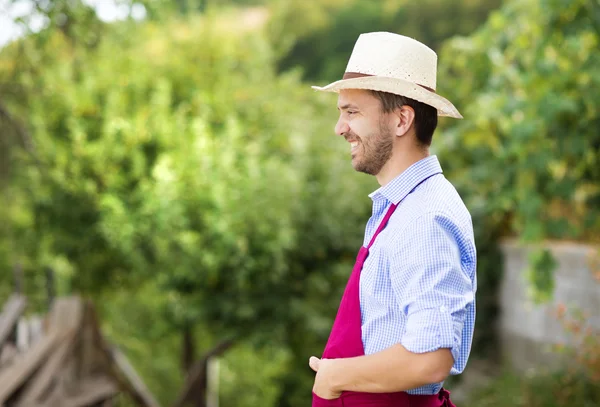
(528,85)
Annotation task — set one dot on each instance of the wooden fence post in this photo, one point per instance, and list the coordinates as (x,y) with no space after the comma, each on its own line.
(18,278)
(50,285)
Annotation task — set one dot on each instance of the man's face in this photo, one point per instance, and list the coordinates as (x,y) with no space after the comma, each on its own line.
(363,124)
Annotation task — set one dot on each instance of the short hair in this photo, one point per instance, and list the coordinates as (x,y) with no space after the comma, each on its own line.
(426,117)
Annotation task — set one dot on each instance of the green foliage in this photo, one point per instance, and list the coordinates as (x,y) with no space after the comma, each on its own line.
(321,40)
(256,372)
(583,347)
(576,381)
(526,155)
(529,92)
(541,275)
(557,389)
(136,320)
(188,169)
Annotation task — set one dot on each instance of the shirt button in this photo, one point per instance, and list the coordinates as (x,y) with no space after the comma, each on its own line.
(443,308)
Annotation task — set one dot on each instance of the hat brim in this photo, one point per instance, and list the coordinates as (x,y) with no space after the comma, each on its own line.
(398,87)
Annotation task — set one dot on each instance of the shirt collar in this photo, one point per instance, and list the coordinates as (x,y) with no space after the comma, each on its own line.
(397,189)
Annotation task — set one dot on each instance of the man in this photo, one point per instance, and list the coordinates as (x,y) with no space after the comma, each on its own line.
(406,318)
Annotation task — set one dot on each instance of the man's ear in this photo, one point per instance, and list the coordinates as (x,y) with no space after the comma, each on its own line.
(406,115)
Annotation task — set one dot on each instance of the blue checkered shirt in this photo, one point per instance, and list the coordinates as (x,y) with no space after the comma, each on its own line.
(418,283)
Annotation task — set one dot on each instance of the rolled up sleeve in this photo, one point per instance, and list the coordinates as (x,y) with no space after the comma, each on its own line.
(431,285)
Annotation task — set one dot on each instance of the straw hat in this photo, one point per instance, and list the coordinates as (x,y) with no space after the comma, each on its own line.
(396,64)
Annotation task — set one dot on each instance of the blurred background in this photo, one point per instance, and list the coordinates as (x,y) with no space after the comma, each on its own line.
(168,161)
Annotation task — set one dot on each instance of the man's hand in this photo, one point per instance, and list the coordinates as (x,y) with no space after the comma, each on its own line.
(325,369)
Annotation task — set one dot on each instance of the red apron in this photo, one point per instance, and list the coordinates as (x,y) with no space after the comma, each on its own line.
(345,341)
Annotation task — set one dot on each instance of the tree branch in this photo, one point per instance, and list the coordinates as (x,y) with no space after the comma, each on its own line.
(24,137)
(194,389)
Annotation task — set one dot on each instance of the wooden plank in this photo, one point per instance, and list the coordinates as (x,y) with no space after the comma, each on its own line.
(9,351)
(13,377)
(65,319)
(92,357)
(88,392)
(66,314)
(134,382)
(10,316)
(212,382)
(23,339)
(120,367)
(36,329)
(29,330)
(92,391)
(54,399)
(41,382)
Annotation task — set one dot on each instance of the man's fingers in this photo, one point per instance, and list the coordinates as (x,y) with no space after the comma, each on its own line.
(313,362)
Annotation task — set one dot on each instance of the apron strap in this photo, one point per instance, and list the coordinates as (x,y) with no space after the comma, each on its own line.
(382,225)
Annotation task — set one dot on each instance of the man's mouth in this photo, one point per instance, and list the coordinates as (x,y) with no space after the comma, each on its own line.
(353,145)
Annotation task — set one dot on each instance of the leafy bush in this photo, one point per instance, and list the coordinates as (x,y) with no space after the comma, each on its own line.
(187,165)
(541,390)
(525,158)
(319,36)
(577,383)
(528,85)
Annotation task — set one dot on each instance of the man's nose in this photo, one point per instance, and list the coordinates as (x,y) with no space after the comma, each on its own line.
(341,127)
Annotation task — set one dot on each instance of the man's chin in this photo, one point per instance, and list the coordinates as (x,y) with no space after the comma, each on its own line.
(360,168)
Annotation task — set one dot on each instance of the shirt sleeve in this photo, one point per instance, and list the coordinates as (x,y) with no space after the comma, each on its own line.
(431,285)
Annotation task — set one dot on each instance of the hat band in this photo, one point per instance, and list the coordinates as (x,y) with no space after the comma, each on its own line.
(353,75)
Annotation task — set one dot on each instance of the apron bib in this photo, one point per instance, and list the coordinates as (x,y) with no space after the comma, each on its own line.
(345,341)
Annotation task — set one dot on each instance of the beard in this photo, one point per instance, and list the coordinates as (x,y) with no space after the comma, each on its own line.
(375,150)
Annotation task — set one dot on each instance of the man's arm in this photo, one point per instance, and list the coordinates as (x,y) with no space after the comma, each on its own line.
(391,370)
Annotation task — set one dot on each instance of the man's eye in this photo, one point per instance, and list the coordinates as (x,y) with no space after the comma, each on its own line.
(351,112)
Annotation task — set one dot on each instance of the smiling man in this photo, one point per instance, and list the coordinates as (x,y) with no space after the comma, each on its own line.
(406,319)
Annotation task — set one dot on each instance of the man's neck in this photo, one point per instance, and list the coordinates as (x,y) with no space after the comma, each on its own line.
(398,163)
